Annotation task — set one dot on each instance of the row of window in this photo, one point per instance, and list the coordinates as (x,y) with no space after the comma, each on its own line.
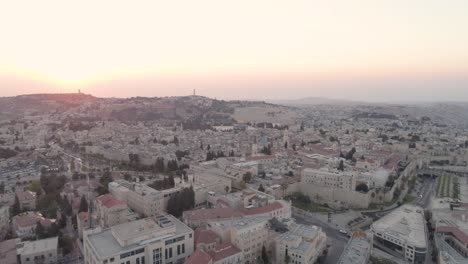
(174,240)
(132,253)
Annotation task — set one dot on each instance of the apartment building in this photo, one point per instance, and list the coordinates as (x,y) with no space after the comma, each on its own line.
(301,244)
(249,234)
(159,240)
(141,198)
(110,211)
(42,251)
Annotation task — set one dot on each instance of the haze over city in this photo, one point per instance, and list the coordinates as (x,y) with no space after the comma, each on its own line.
(367,51)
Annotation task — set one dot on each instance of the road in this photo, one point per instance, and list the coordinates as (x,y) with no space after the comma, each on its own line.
(336,240)
(426,192)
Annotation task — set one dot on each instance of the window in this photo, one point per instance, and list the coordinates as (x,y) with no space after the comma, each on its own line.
(170,252)
(143,260)
(137,261)
(178,249)
(183,248)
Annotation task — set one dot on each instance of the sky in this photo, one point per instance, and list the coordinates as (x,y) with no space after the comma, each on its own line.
(385,50)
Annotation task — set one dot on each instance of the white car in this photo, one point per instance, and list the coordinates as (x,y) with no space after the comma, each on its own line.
(343,231)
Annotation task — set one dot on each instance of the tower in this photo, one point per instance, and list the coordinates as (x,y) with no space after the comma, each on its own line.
(286,136)
(254,147)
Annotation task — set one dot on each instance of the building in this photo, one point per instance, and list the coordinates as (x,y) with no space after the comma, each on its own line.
(4,220)
(24,225)
(110,211)
(160,240)
(8,254)
(278,209)
(450,221)
(199,257)
(40,251)
(249,234)
(27,200)
(358,250)
(301,243)
(404,233)
(141,198)
(206,239)
(333,185)
(225,253)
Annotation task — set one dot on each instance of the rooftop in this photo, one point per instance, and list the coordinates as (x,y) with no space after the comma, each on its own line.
(8,251)
(38,246)
(199,257)
(127,236)
(355,250)
(109,201)
(406,223)
(223,251)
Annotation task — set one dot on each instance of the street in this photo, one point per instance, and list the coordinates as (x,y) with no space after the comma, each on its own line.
(336,240)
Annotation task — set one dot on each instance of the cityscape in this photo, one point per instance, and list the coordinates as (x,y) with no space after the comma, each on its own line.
(234,132)
(198,180)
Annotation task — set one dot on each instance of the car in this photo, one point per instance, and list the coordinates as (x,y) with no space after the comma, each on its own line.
(420,196)
(343,232)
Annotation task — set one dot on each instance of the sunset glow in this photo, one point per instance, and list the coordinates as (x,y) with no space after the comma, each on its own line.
(78,44)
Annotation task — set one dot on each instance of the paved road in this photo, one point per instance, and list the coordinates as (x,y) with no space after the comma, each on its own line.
(336,240)
(426,193)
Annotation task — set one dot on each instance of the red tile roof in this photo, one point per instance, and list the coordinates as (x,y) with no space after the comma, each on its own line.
(262,210)
(214,213)
(460,235)
(223,251)
(199,257)
(109,201)
(30,219)
(8,252)
(205,237)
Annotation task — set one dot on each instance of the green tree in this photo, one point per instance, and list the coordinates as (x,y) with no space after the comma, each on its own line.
(261,188)
(341,166)
(35,186)
(247,177)
(265,256)
(16,208)
(83,204)
(40,231)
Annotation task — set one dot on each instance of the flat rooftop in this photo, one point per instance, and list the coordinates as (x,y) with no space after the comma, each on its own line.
(406,223)
(356,250)
(138,233)
(38,246)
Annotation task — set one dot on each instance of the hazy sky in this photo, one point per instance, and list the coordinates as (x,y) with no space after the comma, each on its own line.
(363,49)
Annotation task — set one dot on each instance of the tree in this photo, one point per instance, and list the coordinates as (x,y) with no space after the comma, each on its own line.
(104,181)
(261,188)
(265,256)
(341,166)
(66,243)
(362,188)
(247,177)
(16,208)
(180,202)
(40,231)
(83,204)
(287,258)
